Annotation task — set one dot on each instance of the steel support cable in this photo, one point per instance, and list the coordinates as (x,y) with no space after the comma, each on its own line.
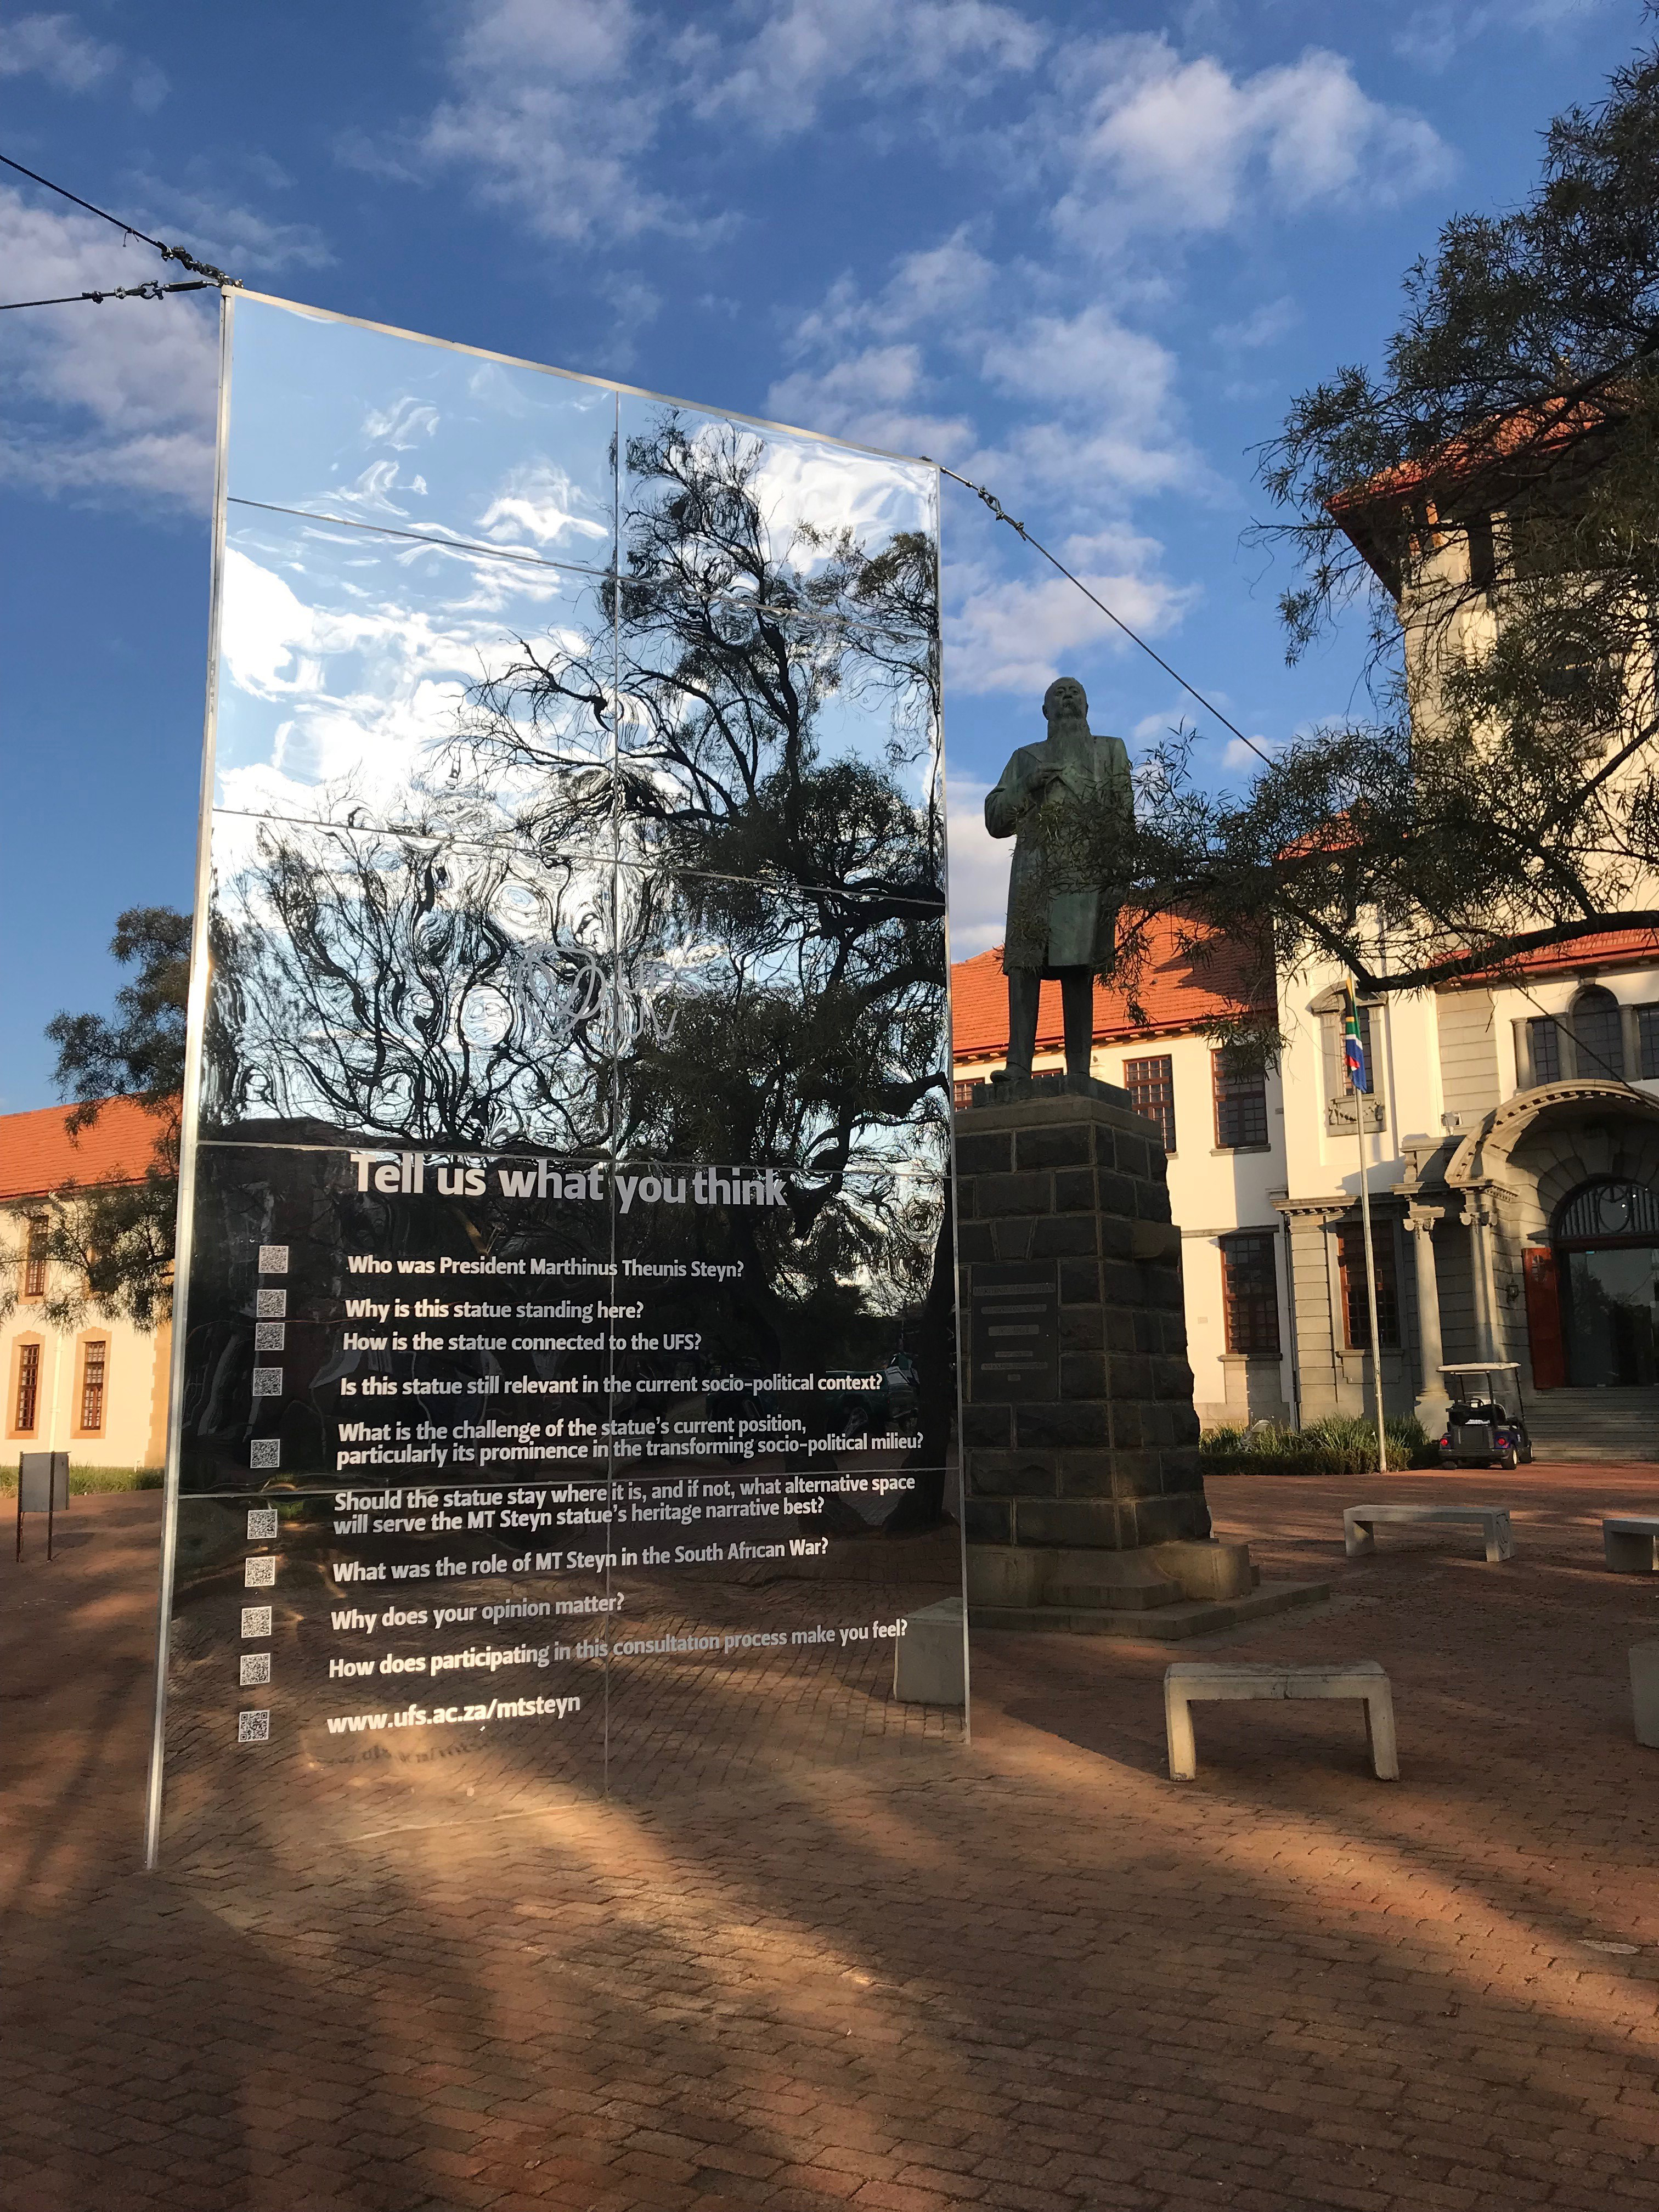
(1001,514)
(205,269)
(153,290)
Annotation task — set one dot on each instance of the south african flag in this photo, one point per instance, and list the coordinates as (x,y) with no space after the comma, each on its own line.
(1353,1043)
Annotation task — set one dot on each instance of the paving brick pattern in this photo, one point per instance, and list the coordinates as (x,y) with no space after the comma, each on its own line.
(1032,1976)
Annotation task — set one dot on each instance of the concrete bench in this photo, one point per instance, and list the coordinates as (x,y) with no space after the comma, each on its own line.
(1191,1679)
(1360,1524)
(930,1660)
(1631,1541)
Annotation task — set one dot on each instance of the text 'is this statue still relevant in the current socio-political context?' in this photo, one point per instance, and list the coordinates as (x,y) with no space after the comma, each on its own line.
(565,1390)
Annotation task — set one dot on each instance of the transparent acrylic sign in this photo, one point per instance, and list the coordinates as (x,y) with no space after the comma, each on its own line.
(564,1388)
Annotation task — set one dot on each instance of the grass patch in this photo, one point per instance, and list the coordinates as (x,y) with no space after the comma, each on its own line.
(93,1481)
(1341,1444)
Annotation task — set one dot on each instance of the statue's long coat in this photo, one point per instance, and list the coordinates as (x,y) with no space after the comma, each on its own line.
(1053,925)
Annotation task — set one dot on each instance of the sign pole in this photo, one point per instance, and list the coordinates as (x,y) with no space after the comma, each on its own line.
(1354,1051)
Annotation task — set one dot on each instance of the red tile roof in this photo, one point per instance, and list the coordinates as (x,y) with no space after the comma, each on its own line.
(37,1154)
(1176,993)
(1613,948)
(1544,427)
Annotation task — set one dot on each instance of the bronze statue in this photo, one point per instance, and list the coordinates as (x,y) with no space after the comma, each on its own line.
(1068,804)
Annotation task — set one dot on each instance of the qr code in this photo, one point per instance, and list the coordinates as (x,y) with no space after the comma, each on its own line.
(273,1259)
(253,1727)
(260,1574)
(266,1451)
(261,1523)
(270,1305)
(256,1670)
(269,1335)
(267,1381)
(256,1620)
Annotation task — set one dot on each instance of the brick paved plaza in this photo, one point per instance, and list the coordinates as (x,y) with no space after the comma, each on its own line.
(1032,1975)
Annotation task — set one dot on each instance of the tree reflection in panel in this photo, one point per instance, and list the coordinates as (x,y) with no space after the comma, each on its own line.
(409,987)
(570,1148)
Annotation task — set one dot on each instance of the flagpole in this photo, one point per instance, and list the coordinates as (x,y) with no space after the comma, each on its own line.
(1370,1255)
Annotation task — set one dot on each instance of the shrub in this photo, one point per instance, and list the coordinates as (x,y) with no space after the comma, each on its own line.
(93,1481)
(1339,1444)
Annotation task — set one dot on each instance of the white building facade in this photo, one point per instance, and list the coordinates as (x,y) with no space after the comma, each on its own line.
(75,1381)
(1511,1148)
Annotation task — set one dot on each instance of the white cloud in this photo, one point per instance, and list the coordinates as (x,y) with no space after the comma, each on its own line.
(1152,729)
(557,106)
(1264,326)
(125,394)
(1432,37)
(979,870)
(1171,145)
(231,236)
(950,280)
(874,396)
(53,48)
(807,49)
(1241,759)
(1077,413)
(1012,634)
(1115,423)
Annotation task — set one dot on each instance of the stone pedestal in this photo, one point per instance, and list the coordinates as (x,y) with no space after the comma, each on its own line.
(1084,1499)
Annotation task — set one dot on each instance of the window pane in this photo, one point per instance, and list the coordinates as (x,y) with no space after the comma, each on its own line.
(1598,1031)
(1544,1042)
(1356,1306)
(28,1386)
(91,1387)
(1150,1086)
(1250,1293)
(34,1263)
(1647,1038)
(1241,1104)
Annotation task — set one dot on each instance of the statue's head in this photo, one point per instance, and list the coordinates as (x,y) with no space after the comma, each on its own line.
(1066,701)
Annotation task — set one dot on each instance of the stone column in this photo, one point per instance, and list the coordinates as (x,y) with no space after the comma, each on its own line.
(1431,1392)
(1477,1212)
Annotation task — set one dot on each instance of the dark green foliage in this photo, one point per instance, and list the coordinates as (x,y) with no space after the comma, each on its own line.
(1340,1444)
(1491,493)
(117,1242)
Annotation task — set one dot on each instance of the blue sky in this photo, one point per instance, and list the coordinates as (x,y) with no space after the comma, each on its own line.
(1083,253)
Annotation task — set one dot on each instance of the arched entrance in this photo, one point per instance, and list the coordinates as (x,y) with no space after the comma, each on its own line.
(1605,1238)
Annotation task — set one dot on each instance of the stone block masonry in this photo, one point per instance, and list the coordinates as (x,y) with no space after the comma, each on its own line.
(1092,1444)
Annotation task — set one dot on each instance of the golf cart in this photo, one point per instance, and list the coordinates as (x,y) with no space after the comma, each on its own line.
(1480,1430)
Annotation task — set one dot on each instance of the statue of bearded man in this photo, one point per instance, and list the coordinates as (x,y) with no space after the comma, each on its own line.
(1068,804)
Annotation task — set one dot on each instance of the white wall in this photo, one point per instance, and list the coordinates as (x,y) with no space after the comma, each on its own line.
(1213,1192)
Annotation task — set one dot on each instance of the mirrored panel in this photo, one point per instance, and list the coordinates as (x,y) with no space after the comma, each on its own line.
(785,1481)
(372,679)
(803,751)
(374,1315)
(786,1025)
(784,1323)
(387,985)
(716,507)
(334,418)
(392,1650)
(569,1389)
